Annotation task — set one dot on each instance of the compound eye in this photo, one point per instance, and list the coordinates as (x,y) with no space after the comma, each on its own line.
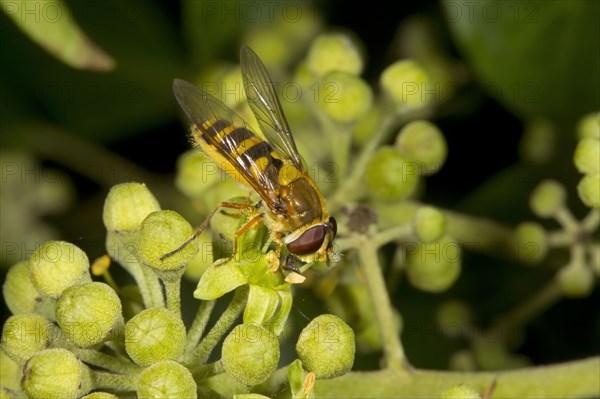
(333,225)
(309,242)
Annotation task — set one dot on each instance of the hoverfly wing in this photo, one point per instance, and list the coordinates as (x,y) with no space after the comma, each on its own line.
(265,105)
(225,131)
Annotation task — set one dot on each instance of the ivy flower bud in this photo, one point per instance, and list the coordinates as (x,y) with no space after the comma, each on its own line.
(196,173)
(434,266)
(547,198)
(162,232)
(166,379)
(406,83)
(430,224)
(531,243)
(55,373)
(390,176)
(56,266)
(326,347)
(18,291)
(153,335)
(334,52)
(588,190)
(89,313)
(576,280)
(25,334)
(461,391)
(422,142)
(453,312)
(344,97)
(250,354)
(587,156)
(127,205)
(538,141)
(588,127)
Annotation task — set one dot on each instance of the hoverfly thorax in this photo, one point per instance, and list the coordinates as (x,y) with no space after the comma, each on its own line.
(292,206)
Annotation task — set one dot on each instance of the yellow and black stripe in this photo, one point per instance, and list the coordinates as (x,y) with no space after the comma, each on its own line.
(252,157)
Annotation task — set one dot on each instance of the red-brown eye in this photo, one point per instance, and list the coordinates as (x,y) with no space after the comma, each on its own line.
(309,242)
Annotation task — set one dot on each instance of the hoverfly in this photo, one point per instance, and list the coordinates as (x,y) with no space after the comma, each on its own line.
(291,205)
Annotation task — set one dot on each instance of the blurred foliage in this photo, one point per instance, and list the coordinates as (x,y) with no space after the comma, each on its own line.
(524,62)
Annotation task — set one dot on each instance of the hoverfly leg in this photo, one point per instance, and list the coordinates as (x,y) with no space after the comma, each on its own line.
(204,224)
(274,261)
(242,230)
(291,264)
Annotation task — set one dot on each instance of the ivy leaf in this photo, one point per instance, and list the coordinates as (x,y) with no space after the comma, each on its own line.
(538,58)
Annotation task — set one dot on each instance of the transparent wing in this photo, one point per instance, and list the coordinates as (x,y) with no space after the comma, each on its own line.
(265,105)
(201,107)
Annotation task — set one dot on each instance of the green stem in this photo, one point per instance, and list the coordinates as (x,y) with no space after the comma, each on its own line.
(108,362)
(157,299)
(116,382)
(530,308)
(577,379)
(392,347)
(208,370)
(197,329)
(566,219)
(591,222)
(347,191)
(173,291)
(234,309)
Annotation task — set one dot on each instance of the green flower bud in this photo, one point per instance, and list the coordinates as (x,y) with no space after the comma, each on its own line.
(588,127)
(334,52)
(18,291)
(430,224)
(390,176)
(10,372)
(434,266)
(100,395)
(587,156)
(463,361)
(594,250)
(196,173)
(589,190)
(461,391)
(25,334)
(56,266)
(203,258)
(406,83)
(547,198)
(274,49)
(422,142)
(250,354)
(89,313)
(127,205)
(538,141)
(453,312)
(531,243)
(55,373)
(166,379)
(162,232)
(366,127)
(326,347)
(576,280)
(153,335)
(344,97)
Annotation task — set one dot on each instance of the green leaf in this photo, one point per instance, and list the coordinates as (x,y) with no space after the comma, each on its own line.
(219,280)
(50,24)
(539,58)
(286,300)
